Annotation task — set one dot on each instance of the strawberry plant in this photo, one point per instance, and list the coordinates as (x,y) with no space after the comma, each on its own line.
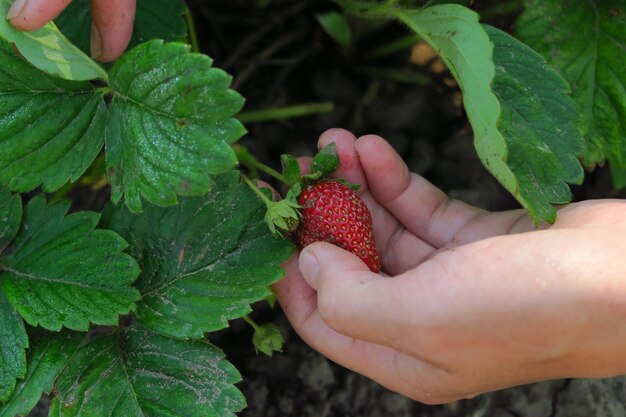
(109,312)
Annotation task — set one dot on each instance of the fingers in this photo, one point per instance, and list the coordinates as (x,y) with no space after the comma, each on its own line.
(348,292)
(112,28)
(390,368)
(421,207)
(33,14)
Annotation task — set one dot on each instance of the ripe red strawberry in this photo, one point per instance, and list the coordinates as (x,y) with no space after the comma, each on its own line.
(332,212)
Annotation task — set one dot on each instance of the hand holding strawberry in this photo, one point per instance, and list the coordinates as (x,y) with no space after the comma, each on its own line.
(477,301)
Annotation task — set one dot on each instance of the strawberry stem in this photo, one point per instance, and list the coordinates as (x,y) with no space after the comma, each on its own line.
(250,161)
(251,323)
(256,189)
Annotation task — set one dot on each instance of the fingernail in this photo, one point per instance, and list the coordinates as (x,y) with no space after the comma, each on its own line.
(16,8)
(96,42)
(310,267)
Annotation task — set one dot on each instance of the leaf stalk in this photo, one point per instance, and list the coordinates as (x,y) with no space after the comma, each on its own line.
(251,162)
(287,112)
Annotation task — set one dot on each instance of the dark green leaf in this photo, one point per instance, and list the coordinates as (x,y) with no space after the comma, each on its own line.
(159,19)
(48,355)
(141,373)
(155,19)
(291,169)
(171,124)
(50,129)
(326,161)
(204,261)
(10,216)
(59,271)
(336,26)
(585,41)
(13,344)
(539,121)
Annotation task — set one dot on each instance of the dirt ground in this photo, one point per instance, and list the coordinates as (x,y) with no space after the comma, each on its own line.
(279,56)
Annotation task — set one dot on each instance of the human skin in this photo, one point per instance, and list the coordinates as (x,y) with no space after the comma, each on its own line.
(474,301)
(111,30)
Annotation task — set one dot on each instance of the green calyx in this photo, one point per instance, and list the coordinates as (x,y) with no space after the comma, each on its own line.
(283,216)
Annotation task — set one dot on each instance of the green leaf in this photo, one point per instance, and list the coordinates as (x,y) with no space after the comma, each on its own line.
(13,344)
(204,261)
(170,125)
(159,19)
(141,373)
(455,33)
(291,169)
(48,355)
(50,129)
(324,162)
(585,42)
(539,121)
(10,216)
(59,271)
(155,19)
(336,26)
(518,92)
(49,50)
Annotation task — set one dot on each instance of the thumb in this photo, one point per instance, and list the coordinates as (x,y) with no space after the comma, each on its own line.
(327,261)
(348,293)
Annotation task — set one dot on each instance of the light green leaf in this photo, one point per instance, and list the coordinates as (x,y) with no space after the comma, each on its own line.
(170,124)
(455,33)
(59,271)
(13,344)
(523,119)
(48,355)
(585,41)
(139,373)
(539,121)
(50,51)
(10,216)
(155,19)
(50,129)
(204,261)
